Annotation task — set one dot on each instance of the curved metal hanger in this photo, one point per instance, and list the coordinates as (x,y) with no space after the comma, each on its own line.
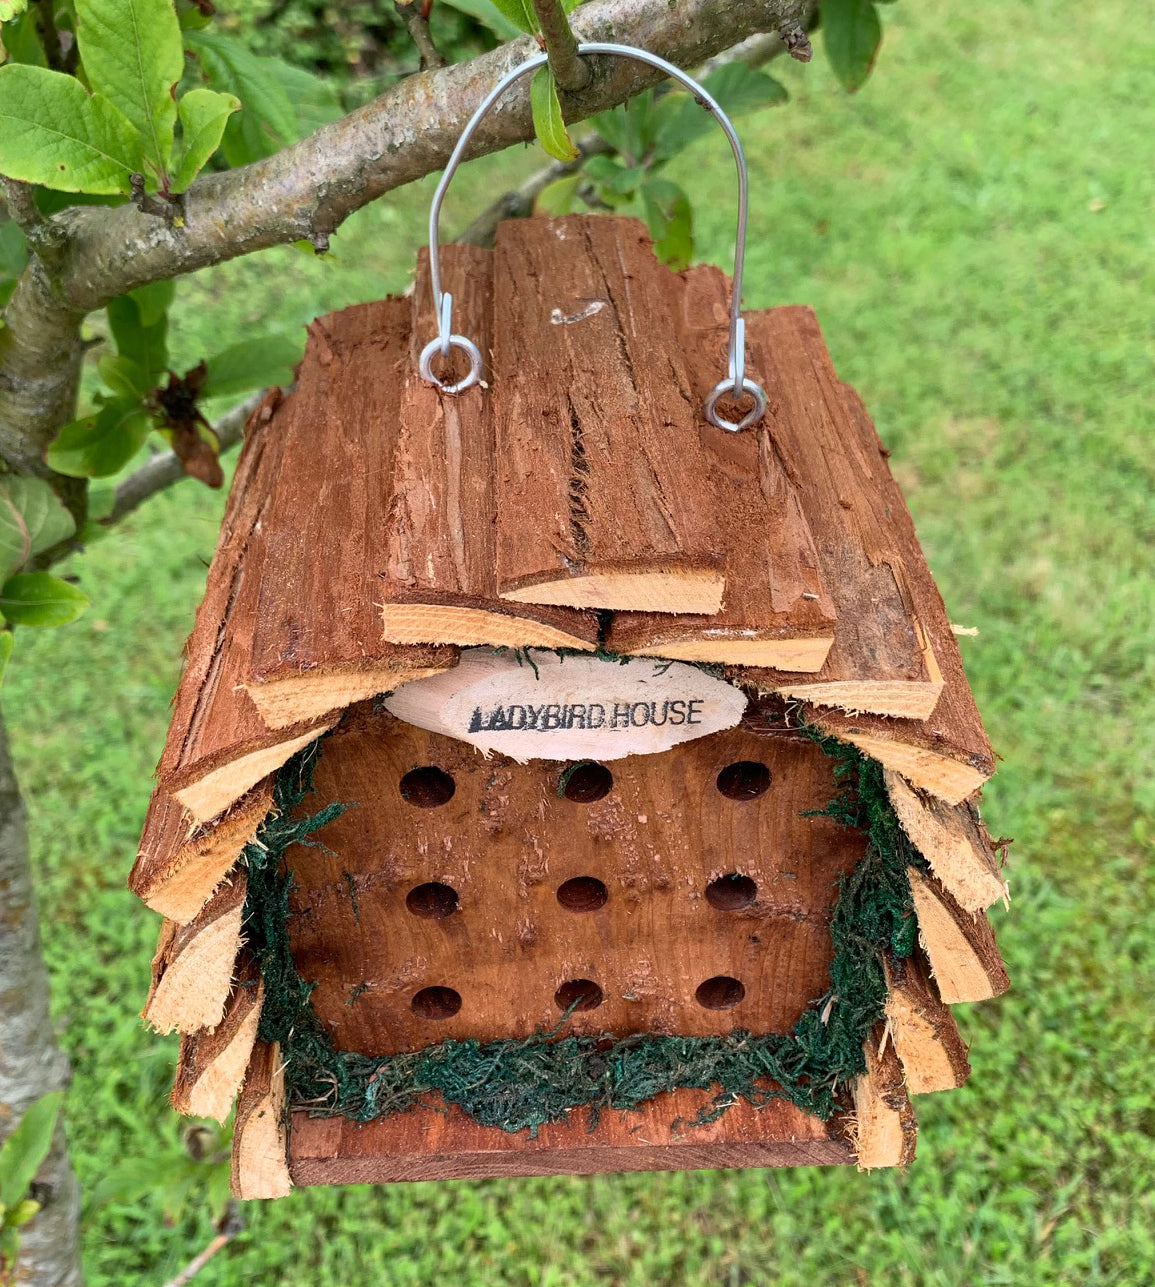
(736,384)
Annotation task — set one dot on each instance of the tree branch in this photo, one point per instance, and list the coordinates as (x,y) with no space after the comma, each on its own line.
(164,469)
(18,202)
(415,16)
(569,70)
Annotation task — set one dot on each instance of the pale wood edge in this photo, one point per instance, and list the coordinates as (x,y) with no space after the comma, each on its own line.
(925,1036)
(884,1128)
(803,654)
(260,1166)
(211,1065)
(208,796)
(690,591)
(902,699)
(933,771)
(314,694)
(178,883)
(953,840)
(960,945)
(192,971)
(467,627)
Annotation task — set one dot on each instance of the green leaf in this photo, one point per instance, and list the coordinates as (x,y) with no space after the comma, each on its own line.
(40,599)
(267,120)
(736,87)
(612,176)
(132,54)
(13,250)
(518,12)
(102,443)
(487,13)
(24,1151)
(851,34)
(252,364)
(21,42)
(135,1177)
(22,1212)
(6,642)
(123,376)
(547,119)
(314,99)
(628,129)
(670,221)
(558,197)
(54,133)
(145,344)
(154,300)
(9,9)
(32,519)
(204,113)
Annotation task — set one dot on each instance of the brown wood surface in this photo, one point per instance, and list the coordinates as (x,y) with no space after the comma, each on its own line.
(432,1144)
(260,1165)
(953,840)
(180,864)
(506,842)
(925,1035)
(192,971)
(960,945)
(441,575)
(777,609)
(212,1062)
(883,659)
(601,475)
(884,1128)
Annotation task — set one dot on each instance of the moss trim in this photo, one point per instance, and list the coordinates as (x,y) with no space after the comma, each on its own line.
(519,1084)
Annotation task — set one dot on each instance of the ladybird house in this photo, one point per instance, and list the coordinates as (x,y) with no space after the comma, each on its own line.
(558,782)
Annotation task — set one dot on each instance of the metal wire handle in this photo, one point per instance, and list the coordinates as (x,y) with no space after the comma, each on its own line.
(735,384)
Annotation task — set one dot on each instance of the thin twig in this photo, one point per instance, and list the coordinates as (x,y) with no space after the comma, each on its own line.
(164,469)
(21,207)
(570,72)
(229,1227)
(415,15)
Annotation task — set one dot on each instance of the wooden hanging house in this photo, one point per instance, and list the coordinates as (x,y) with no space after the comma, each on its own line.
(545,755)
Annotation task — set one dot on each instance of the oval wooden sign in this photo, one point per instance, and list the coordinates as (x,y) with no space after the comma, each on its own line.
(542,706)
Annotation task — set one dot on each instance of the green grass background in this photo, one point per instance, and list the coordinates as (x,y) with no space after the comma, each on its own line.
(975,231)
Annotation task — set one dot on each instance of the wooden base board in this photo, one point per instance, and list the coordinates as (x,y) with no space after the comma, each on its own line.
(433,1144)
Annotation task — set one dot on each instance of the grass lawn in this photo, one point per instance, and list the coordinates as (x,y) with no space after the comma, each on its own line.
(974,229)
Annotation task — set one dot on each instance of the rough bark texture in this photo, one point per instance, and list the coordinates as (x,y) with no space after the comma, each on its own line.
(960,945)
(31,1063)
(923,1030)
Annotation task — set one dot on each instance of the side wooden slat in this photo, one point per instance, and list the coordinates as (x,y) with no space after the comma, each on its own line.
(317,642)
(884,1128)
(953,840)
(598,490)
(260,1167)
(923,1031)
(777,609)
(960,945)
(192,971)
(179,864)
(212,1063)
(441,577)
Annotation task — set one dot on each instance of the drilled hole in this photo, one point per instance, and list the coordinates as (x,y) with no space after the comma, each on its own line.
(582,894)
(732,892)
(434,901)
(427,787)
(719,993)
(587,783)
(582,994)
(436,1003)
(745,780)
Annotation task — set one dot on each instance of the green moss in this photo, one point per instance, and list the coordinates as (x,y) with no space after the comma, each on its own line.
(520,1084)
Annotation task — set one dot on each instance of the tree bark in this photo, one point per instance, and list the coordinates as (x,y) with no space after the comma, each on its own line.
(31,1062)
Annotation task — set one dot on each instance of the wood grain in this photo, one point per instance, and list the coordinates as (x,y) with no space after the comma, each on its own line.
(777,609)
(960,946)
(924,1033)
(884,1127)
(192,971)
(599,487)
(441,576)
(211,1065)
(179,865)
(505,844)
(953,840)
(260,1167)
(883,659)
(431,1144)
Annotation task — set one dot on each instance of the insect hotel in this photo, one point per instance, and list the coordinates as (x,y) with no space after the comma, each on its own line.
(562,779)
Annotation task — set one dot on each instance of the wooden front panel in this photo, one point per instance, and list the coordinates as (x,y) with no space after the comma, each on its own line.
(505,842)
